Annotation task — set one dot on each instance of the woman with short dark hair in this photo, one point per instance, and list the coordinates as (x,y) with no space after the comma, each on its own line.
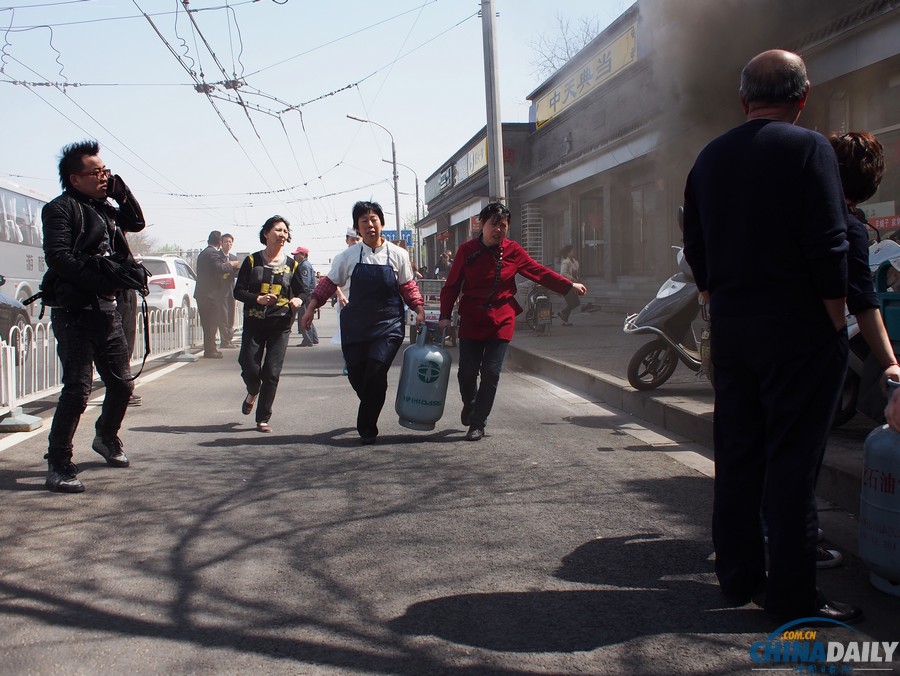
(483,277)
(270,287)
(372,322)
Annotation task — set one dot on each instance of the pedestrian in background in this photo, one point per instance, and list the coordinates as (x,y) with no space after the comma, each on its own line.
(227,330)
(271,289)
(483,277)
(213,281)
(80,226)
(780,259)
(372,322)
(569,268)
(308,274)
(342,293)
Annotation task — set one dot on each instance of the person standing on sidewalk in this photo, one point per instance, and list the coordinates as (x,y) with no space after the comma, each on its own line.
(766,238)
(372,327)
(271,289)
(569,268)
(213,280)
(483,277)
(80,226)
(308,274)
(226,332)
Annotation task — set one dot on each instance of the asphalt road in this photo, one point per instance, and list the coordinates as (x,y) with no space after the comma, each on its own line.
(572,539)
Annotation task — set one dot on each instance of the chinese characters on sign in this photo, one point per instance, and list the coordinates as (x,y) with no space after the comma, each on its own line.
(604,64)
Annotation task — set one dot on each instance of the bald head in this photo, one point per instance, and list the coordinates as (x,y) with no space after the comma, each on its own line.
(774,77)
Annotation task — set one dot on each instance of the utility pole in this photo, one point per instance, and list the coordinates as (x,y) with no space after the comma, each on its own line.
(496,182)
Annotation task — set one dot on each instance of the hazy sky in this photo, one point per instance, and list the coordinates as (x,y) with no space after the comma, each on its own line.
(198,163)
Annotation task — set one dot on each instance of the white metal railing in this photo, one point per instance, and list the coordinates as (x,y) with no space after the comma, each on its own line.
(30,368)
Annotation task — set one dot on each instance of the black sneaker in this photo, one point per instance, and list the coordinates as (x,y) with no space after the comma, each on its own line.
(111,450)
(62,478)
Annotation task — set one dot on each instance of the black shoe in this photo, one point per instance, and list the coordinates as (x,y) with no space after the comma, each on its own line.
(827,609)
(368,440)
(305,345)
(62,478)
(212,355)
(111,450)
(474,434)
(464,416)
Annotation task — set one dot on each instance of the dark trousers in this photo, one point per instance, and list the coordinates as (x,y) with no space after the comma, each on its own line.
(211,311)
(84,339)
(776,395)
(573,300)
(483,357)
(367,368)
(226,333)
(263,344)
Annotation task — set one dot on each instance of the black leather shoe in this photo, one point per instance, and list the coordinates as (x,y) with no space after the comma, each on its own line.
(212,355)
(368,441)
(835,610)
(474,434)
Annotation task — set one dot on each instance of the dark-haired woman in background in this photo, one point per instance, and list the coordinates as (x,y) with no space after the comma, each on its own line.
(483,276)
(372,326)
(270,287)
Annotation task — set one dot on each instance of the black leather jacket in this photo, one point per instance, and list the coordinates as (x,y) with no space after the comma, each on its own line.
(74,227)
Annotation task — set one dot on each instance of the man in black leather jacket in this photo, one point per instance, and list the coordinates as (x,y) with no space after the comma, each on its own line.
(81,226)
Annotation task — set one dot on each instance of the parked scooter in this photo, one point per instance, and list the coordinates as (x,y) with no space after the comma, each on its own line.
(669,317)
(538,310)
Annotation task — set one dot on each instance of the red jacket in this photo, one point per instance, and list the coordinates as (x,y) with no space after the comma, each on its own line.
(487,305)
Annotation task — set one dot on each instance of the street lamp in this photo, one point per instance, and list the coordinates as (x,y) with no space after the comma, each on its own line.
(418,217)
(394,156)
(400,164)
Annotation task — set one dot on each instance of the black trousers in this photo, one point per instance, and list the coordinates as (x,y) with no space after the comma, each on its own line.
(368,377)
(84,339)
(211,319)
(777,382)
(263,344)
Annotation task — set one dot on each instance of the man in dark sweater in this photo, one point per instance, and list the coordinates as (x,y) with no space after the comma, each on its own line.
(765,235)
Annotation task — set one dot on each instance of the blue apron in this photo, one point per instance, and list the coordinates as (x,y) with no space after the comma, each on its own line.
(374,310)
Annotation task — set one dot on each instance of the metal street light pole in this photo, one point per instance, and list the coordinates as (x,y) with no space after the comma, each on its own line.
(400,164)
(394,162)
(416,243)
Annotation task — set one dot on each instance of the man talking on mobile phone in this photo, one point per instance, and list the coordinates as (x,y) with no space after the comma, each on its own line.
(81,227)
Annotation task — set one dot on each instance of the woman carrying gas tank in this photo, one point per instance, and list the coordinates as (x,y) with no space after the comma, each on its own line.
(271,289)
(483,277)
(372,326)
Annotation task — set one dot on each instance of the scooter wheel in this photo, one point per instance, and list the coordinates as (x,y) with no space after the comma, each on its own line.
(652,365)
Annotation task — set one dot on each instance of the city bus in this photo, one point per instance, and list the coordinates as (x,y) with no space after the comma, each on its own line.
(21,242)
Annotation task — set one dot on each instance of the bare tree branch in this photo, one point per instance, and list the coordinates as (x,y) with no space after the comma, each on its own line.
(552,49)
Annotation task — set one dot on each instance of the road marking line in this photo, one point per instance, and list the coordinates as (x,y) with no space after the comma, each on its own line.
(688,453)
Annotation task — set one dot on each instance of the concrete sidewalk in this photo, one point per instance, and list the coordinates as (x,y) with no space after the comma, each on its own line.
(592,356)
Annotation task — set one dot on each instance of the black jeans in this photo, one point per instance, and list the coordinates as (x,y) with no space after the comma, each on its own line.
(263,344)
(572,301)
(84,339)
(484,357)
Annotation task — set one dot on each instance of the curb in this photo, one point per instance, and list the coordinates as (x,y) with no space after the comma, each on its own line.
(840,476)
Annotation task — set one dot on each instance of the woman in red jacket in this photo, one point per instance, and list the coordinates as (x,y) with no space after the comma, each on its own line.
(483,276)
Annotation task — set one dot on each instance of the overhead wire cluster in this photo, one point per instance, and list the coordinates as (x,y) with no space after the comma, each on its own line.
(192,47)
